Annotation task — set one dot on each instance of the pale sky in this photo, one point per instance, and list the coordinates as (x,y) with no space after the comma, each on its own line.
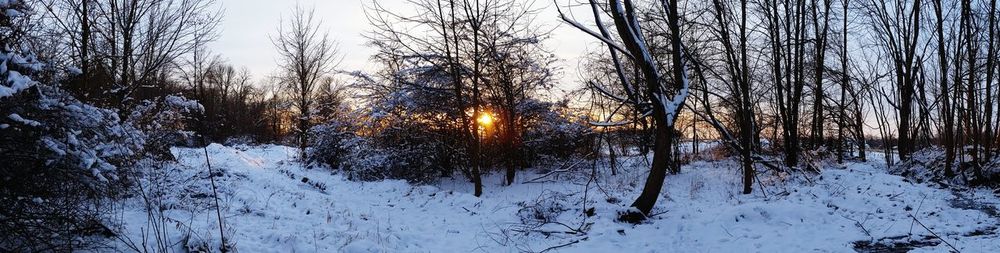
(248,24)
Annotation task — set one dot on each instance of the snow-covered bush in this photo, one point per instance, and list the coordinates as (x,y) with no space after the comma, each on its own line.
(715,152)
(407,150)
(545,209)
(396,137)
(163,122)
(60,159)
(241,140)
(330,143)
(414,158)
(554,132)
(11,12)
(338,146)
(928,165)
(813,159)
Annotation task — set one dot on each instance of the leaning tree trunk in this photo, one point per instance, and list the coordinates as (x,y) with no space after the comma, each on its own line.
(665,107)
(662,152)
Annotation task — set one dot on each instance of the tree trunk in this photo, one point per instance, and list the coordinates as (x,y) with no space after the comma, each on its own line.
(612,157)
(819,67)
(747,124)
(658,171)
(948,133)
(991,63)
(664,112)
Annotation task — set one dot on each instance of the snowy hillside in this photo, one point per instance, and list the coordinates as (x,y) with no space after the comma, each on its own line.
(270,203)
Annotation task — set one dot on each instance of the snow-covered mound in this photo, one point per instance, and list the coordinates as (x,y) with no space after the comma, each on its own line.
(271,203)
(928,165)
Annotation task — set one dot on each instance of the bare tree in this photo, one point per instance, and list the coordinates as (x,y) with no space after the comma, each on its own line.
(845,83)
(476,58)
(126,48)
(992,66)
(786,36)
(666,94)
(735,58)
(947,133)
(436,41)
(821,28)
(896,25)
(306,55)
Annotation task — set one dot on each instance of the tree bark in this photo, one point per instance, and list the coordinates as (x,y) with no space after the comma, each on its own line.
(948,132)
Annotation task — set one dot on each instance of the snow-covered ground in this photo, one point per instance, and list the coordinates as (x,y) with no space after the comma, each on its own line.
(270,203)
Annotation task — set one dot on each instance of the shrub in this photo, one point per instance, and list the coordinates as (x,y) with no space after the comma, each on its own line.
(417,163)
(60,159)
(415,159)
(395,139)
(163,122)
(556,133)
(330,143)
(545,209)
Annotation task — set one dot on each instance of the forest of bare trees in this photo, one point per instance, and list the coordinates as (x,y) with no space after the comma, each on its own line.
(783,81)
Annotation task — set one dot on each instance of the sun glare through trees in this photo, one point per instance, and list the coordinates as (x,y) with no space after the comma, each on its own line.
(485,119)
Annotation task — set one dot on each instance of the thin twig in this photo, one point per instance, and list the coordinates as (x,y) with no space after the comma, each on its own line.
(563,245)
(917,211)
(934,234)
(215,194)
(565,168)
(861,226)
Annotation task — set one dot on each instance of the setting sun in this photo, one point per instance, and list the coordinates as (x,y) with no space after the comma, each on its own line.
(485,120)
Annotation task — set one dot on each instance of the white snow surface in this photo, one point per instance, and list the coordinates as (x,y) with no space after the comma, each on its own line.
(269,207)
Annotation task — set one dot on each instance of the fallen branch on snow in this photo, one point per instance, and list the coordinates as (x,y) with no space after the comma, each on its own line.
(934,234)
(563,245)
(566,167)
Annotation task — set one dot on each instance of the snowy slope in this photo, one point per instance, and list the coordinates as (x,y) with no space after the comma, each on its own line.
(273,204)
